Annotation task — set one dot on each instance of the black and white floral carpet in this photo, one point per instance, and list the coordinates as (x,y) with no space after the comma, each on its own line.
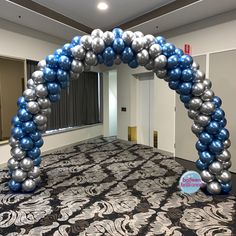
(112,187)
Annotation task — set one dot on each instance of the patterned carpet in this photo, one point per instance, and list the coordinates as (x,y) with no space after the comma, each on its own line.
(112,187)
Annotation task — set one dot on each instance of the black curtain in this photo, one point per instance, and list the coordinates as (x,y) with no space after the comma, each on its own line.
(31,67)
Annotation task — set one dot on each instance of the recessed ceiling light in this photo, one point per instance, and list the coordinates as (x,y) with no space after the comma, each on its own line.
(102,6)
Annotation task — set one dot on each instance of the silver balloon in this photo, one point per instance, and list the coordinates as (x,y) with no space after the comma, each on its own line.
(30,84)
(206,176)
(199,76)
(77,66)
(207,83)
(41,90)
(138,34)
(42,128)
(19,175)
(160,62)
(207,108)
(97,33)
(46,112)
(18,153)
(224,176)
(227,143)
(86,42)
(33,107)
(29,94)
(38,77)
(148,40)
(34,172)
(26,164)
(117,60)
(137,44)
(155,50)
(78,52)
(195,104)
(150,65)
(98,45)
(214,187)
(108,37)
(37,181)
(128,37)
(28,185)
(202,120)
(192,114)
(161,73)
(224,156)
(227,165)
(87,67)
(142,57)
(40,119)
(90,58)
(44,103)
(215,167)
(14,142)
(12,164)
(195,65)
(198,89)
(196,129)
(41,65)
(207,95)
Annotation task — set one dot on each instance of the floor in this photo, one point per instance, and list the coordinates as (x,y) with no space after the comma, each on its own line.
(112,187)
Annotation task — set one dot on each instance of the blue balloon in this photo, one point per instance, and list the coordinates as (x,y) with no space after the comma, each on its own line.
(168,49)
(21,102)
(172,62)
(34,153)
(62,75)
(35,136)
(65,84)
(118,45)
(205,138)
(17,132)
(223,134)
(185,104)
(186,61)
(37,161)
(52,61)
(187,75)
(217,101)
(49,74)
(174,85)
(216,146)
(64,62)
(185,88)
(226,187)
(200,146)
(213,127)
(201,165)
(26,143)
(185,98)
(39,143)
(75,41)
(222,123)
(218,114)
(108,55)
(29,127)
(179,52)
(117,32)
(14,186)
(53,88)
(58,52)
(66,50)
(16,121)
(109,63)
(133,64)
(100,59)
(24,115)
(127,55)
(206,157)
(54,97)
(174,74)
(160,40)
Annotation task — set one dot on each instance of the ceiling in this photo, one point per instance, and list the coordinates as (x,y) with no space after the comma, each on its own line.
(67,18)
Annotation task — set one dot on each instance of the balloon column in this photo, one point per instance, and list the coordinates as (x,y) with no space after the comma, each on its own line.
(133,48)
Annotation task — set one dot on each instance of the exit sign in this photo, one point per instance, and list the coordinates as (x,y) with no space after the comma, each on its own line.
(187,49)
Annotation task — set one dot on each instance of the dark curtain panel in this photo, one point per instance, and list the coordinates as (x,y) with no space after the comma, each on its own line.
(31,67)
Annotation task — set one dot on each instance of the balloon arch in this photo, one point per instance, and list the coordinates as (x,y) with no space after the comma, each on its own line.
(133,48)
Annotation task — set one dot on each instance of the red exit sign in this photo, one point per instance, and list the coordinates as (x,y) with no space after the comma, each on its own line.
(187,49)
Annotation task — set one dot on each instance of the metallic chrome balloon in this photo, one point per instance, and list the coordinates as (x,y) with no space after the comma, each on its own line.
(90,58)
(214,187)
(33,107)
(78,52)
(160,62)
(138,34)
(19,175)
(215,167)
(154,50)
(150,65)
(207,108)
(143,57)
(38,181)
(12,164)
(46,112)
(37,77)
(87,67)
(224,176)
(148,40)
(108,37)
(77,66)
(117,60)
(44,103)
(192,114)
(202,120)
(30,84)
(41,65)
(206,176)
(97,33)
(198,89)
(207,95)
(18,153)
(26,164)
(98,45)
(28,185)
(227,143)
(227,164)
(14,142)
(161,73)
(29,94)
(195,104)
(195,65)
(86,42)
(199,76)
(224,156)
(41,90)
(128,37)
(137,44)
(40,119)
(34,172)
(42,128)
(196,129)
(207,83)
